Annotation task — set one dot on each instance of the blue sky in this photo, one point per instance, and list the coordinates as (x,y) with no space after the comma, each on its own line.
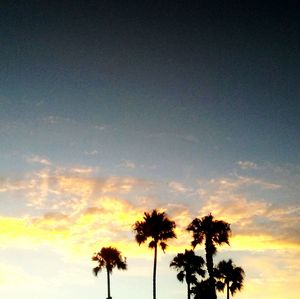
(108,110)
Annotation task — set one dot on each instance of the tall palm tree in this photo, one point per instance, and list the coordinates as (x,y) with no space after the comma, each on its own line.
(229,276)
(213,232)
(109,258)
(189,266)
(158,228)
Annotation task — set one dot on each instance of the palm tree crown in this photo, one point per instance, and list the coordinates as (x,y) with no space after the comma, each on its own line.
(159,228)
(214,232)
(156,226)
(188,265)
(109,258)
(229,276)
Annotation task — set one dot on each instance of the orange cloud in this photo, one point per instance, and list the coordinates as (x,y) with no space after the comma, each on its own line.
(250,218)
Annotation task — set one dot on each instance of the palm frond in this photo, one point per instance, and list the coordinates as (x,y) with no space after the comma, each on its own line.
(181,276)
(96,270)
(163,246)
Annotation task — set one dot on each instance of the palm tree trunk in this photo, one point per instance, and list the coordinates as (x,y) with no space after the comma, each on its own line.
(227,287)
(108,284)
(154,271)
(210,265)
(188,290)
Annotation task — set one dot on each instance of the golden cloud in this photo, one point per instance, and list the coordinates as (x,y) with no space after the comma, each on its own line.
(80,212)
(251,218)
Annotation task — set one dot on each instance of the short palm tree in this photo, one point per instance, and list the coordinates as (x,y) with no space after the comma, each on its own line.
(189,266)
(213,232)
(109,258)
(158,228)
(201,290)
(229,276)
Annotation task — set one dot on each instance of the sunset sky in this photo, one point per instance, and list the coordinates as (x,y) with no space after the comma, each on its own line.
(110,109)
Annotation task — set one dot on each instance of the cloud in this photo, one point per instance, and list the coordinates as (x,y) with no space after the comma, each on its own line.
(9,185)
(52,119)
(228,199)
(128,164)
(109,221)
(38,159)
(83,170)
(247,165)
(188,138)
(100,127)
(236,182)
(69,189)
(75,211)
(177,187)
(91,153)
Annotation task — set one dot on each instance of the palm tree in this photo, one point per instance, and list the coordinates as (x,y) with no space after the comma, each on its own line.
(214,232)
(189,266)
(109,258)
(159,228)
(201,289)
(229,276)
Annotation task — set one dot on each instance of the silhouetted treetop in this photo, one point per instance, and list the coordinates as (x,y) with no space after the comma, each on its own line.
(208,228)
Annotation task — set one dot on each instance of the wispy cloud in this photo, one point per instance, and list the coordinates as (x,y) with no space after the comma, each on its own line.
(76,210)
(177,187)
(100,127)
(227,198)
(128,164)
(186,137)
(83,170)
(247,165)
(38,159)
(91,153)
(53,119)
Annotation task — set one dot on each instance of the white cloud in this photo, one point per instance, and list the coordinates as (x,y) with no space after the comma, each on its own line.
(52,119)
(128,164)
(100,127)
(91,153)
(247,165)
(83,170)
(177,187)
(38,159)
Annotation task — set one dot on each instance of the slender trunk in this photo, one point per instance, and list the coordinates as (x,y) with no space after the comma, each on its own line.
(108,284)
(154,271)
(227,286)
(189,290)
(210,265)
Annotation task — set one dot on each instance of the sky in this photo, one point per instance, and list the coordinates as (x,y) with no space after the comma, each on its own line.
(109,109)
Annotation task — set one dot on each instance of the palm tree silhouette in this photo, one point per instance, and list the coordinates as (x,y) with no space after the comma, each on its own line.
(159,228)
(108,258)
(189,266)
(201,290)
(229,276)
(214,232)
